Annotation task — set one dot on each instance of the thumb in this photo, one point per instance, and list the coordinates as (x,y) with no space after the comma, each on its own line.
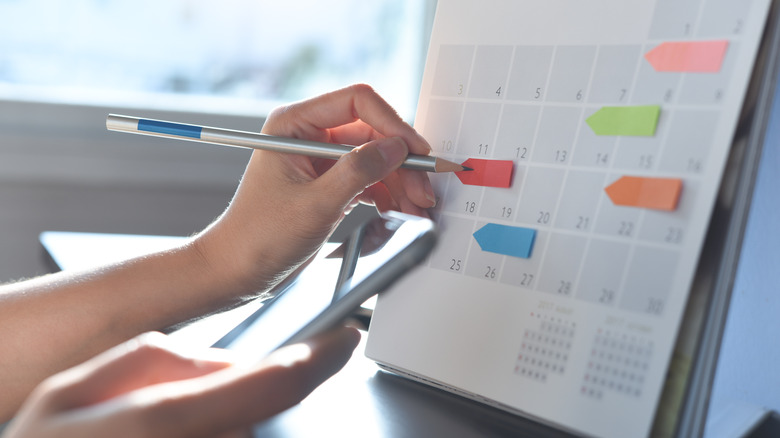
(146,360)
(362,167)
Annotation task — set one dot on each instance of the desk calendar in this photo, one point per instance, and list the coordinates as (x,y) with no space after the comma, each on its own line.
(599,132)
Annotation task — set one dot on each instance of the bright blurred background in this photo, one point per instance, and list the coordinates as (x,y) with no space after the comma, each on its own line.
(236,56)
(64,65)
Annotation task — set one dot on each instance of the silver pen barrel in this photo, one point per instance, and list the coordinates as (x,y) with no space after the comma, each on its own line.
(244,139)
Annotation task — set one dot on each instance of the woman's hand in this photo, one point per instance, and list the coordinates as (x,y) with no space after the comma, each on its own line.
(287,205)
(284,209)
(145,387)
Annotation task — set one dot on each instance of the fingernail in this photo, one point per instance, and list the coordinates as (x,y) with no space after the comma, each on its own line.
(393,150)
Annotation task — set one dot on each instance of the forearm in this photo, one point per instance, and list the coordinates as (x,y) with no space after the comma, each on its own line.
(54,322)
(285,208)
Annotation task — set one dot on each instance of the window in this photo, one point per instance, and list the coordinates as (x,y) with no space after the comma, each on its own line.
(231,56)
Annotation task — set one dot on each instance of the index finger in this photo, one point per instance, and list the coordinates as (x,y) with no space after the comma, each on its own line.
(236,398)
(315,117)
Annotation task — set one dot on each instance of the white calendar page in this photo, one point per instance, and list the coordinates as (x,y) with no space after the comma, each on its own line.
(560,295)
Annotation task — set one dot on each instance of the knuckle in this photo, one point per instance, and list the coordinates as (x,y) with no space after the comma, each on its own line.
(151,343)
(354,175)
(363,89)
(280,119)
(150,348)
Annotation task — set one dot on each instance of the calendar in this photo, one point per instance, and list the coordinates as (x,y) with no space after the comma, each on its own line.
(598,133)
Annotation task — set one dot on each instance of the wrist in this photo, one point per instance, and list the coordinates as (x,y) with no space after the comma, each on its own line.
(228,263)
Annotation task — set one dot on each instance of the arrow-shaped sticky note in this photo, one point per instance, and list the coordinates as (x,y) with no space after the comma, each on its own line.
(625,120)
(488,173)
(688,56)
(644,192)
(506,240)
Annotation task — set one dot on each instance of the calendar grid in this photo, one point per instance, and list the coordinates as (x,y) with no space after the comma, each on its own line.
(551,226)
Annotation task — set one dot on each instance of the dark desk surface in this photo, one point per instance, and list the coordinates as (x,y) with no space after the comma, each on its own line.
(363,401)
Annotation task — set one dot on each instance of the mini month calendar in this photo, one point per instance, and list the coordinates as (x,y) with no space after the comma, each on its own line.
(598,132)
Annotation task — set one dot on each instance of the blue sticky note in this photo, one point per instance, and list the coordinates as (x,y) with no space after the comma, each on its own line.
(506,240)
(169,128)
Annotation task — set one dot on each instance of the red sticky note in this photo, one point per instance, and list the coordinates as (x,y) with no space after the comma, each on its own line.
(688,56)
(487,173)
(643,192)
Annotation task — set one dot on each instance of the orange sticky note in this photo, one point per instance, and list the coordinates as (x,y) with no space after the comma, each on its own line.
(688,56)
(487,173)
(644,192)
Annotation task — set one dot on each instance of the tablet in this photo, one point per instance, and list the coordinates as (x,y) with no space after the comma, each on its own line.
(334,285)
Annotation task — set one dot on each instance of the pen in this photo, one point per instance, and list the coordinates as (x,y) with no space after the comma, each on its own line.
(254,140)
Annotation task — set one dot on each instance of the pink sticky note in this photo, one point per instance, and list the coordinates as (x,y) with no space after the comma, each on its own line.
(688,56)
(487,173)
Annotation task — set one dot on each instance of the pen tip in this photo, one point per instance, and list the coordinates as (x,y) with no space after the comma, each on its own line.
(466,169)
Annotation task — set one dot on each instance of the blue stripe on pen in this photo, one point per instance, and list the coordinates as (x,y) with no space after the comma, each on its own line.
(169,128)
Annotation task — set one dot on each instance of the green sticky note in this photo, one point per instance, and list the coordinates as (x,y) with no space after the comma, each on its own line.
(625,120)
